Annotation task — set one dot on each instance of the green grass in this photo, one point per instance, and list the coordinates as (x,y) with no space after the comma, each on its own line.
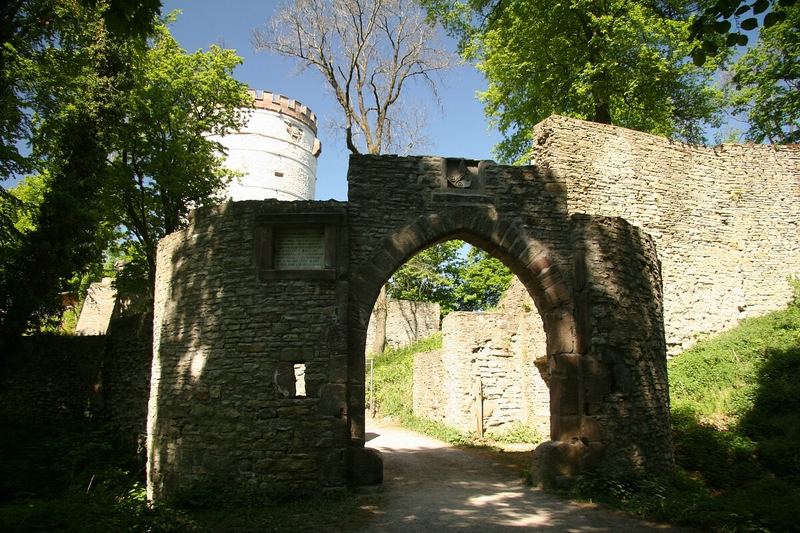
(735,402)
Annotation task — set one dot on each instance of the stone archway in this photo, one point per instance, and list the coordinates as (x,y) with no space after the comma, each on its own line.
(528,259)
(252,291)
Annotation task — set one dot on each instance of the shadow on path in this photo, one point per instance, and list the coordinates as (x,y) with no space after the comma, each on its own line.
(431,486)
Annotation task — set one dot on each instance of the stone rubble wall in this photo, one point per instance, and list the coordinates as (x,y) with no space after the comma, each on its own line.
(406,322)
(62,378)
(428,385)
(400,205)
(229,332)
(497,351)
(725,219)
(98,308)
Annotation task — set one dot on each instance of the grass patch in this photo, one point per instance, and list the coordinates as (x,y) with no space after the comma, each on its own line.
(735,424)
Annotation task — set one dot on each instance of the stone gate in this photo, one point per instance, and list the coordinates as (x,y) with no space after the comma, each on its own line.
(262,309)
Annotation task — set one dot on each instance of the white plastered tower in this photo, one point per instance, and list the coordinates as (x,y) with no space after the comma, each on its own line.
(276,151)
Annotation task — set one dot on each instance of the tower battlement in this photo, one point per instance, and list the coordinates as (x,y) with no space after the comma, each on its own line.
(284,105)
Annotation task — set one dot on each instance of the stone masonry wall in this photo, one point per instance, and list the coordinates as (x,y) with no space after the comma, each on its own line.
(126,372)
(725,219)
(252,295)
(231,332)
(406,322)
(428,385)
(497,352)
(59,377)
(398,206)
(53,377)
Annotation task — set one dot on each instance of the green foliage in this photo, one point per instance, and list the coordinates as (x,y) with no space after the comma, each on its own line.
(735,424)
(394,370)
(164,162)
(766,82)
(474,281)
(429,276)
(731,19)
(482,281)
(719,377)
(68,79)
(615,61)
(119,135)
(518,433)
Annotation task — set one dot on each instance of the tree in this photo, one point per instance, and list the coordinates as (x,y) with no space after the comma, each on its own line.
(429,276)
(163,162)
(621,62)
(64,66)
(123,143)
(483,282)
(457,281)
(766,82)
(369,52)
(31,28)
(731,19)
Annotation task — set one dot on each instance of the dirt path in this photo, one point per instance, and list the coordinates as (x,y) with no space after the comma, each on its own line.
(430,486)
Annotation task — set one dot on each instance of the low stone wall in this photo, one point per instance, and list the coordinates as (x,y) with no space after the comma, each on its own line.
(490,366)
(406,322)
(61,377)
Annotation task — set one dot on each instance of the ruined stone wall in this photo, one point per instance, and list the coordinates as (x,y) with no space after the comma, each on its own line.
(126,372)
(406,322)
(725,219)
(398,206)
(98,308)
(50,377)
(428,385)
(488,358)
(234,324)
(61,377)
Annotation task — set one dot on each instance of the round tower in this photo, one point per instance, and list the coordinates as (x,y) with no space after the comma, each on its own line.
(276,151)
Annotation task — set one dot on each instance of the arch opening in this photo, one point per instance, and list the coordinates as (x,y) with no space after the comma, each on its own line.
(537,271)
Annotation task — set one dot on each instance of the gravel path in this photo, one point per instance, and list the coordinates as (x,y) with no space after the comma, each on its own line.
(430,486)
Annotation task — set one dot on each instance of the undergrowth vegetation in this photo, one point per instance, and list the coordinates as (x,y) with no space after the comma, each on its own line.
(735,402)
(87,477)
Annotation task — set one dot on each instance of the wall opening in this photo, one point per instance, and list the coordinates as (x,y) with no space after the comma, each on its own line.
(480,363)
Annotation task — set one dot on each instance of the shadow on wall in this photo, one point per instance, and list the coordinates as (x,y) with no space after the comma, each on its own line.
(624,373)
(230,347)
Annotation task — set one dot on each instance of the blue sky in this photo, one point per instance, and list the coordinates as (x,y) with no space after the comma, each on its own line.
(457,128)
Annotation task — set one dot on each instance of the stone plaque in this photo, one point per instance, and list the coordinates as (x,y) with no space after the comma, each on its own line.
(300,248)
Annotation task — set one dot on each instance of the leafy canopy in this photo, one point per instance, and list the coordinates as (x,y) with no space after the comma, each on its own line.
(163,161)
(766,82)
(622,62)
(457,281)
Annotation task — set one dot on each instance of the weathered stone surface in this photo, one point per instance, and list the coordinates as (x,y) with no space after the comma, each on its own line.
(406,322)
(230,324)
(724,219)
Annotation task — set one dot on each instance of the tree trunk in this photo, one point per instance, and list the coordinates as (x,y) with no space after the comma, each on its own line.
(381,304)
(602,112)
